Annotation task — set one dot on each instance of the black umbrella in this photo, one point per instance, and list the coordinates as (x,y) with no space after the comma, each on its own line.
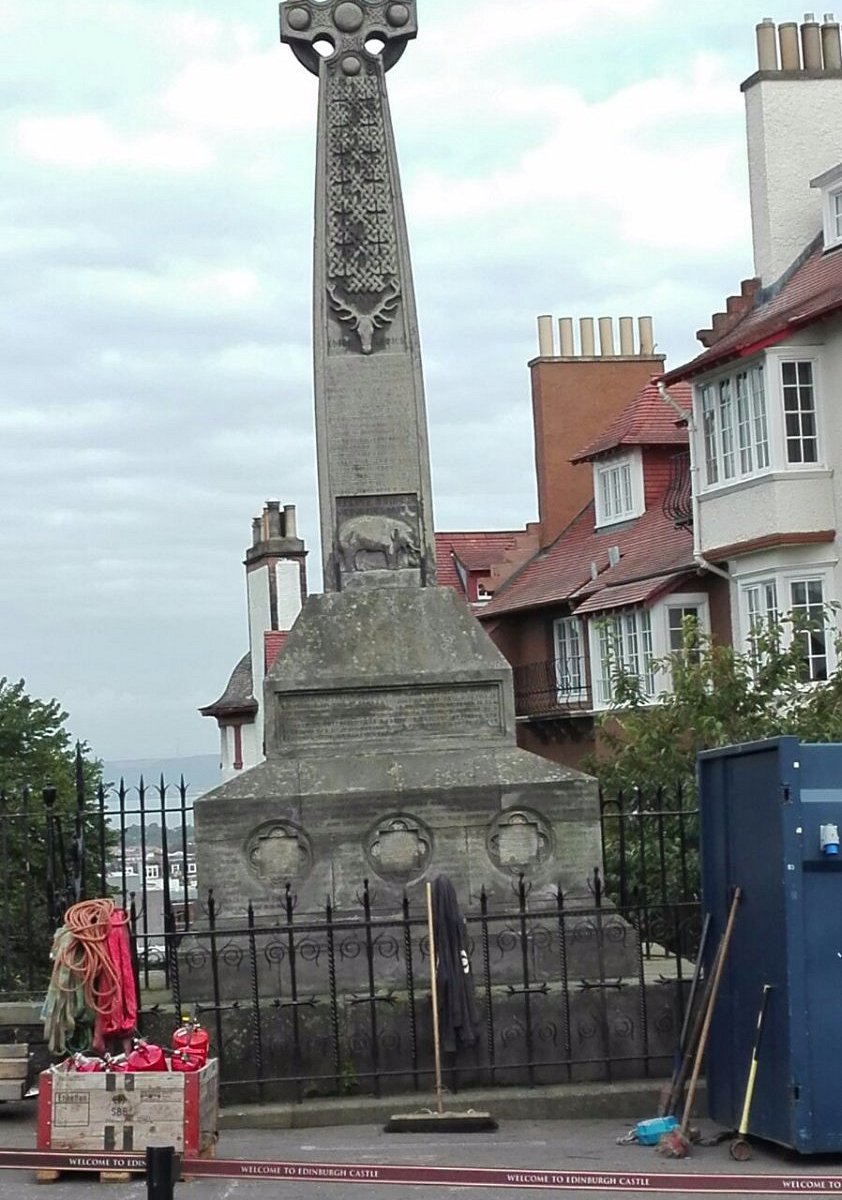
(457,1013)
(455,1018)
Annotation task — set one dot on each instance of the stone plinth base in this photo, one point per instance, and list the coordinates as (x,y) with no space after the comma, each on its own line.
(391,756)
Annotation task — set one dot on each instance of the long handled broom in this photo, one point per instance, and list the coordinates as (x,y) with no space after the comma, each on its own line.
(676,1143)
(440,1120)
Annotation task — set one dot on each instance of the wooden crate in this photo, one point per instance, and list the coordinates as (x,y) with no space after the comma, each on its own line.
(14,1068)
(111,1111)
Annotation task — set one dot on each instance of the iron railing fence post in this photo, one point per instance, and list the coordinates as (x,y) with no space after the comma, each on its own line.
(410,990)
(564,979)
(372,992)
(80,873)
(289,908)
(256,1027)
(185,882)
(490,1045)
(333,996)
(217,991)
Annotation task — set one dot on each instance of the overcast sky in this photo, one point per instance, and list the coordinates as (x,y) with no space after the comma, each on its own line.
(576,158)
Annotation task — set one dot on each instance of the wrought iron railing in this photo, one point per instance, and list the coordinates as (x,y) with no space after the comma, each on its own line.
(301,1005)
(546,689)
(677,503)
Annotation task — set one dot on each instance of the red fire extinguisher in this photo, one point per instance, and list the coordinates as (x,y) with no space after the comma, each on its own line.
(191,1039)
(146,1057)
(85,1064)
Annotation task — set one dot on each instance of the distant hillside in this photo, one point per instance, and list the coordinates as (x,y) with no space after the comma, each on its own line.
(200,771)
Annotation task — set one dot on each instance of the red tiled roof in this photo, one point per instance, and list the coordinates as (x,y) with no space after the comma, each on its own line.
(273,644)
(649,546)
(476,552)
(646,421)
(813,290)
(625,594)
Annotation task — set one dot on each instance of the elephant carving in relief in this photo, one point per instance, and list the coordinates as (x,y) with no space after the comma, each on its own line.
(388,537)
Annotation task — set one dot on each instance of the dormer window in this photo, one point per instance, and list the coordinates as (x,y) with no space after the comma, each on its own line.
(831,188)
(618,488)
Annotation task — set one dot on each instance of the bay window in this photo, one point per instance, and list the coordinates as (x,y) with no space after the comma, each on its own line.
(624,647)
(759,418)
(803,598)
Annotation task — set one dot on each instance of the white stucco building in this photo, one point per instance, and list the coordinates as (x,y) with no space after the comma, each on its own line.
(276,587)
(766,433)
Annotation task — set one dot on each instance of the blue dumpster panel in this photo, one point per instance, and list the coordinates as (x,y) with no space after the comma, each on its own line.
(765,808)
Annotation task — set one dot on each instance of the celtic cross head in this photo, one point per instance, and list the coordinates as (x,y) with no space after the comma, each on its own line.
(347,26)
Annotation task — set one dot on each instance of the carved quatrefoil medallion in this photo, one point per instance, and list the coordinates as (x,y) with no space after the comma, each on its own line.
(399,848)
(519,841)
(278,852)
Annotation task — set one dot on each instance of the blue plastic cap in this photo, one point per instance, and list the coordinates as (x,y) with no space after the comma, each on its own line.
(831,848)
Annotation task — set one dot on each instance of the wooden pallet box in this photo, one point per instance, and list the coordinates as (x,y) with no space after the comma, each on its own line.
(14,1069)
(112,1111)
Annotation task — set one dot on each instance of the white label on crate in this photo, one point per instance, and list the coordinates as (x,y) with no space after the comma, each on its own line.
(71,1109)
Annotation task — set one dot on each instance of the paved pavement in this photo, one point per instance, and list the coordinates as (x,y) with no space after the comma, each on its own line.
(538,1144)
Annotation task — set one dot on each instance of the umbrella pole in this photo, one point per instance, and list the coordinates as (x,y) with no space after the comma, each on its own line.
(434,996)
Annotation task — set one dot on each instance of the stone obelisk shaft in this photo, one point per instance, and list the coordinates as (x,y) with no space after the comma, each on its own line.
(371,429)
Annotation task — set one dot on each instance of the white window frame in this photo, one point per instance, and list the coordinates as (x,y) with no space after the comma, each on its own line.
(618,488)
(832,211)
(775,588)
(569,649)
(741,422)
(622,636)
(659,643)
(798,381)
(679,602)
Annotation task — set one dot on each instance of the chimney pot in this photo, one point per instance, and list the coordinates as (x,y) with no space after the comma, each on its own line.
(790,55)
(586,336)
(647,337)
(831,44)
(273,518)
(626,336)
(545,337)
(767,45)
(811,43)
(565,337)
(256,530)
(290,530)
(606,337)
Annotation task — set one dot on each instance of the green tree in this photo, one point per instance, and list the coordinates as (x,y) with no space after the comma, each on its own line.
(37,840)
(718,696)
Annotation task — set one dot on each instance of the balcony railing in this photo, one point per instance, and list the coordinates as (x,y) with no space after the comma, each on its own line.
(550,689)
(677,502)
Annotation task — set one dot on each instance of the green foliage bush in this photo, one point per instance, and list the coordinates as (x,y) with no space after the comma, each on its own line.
(36,752)
(719,696)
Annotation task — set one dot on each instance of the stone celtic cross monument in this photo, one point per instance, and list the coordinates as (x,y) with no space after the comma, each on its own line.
(374,468)
(389,715)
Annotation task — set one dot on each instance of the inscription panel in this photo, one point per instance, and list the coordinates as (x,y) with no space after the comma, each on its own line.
(346,717)
(373,440)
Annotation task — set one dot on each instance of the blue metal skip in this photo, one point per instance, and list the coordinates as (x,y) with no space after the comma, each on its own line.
(768,812)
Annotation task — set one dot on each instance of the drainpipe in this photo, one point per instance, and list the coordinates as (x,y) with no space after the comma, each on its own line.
(698,558)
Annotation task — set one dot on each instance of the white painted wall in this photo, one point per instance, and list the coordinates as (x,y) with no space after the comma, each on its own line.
(288,580)
(260,619)
(781,502)
(793,128)
(252,747)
